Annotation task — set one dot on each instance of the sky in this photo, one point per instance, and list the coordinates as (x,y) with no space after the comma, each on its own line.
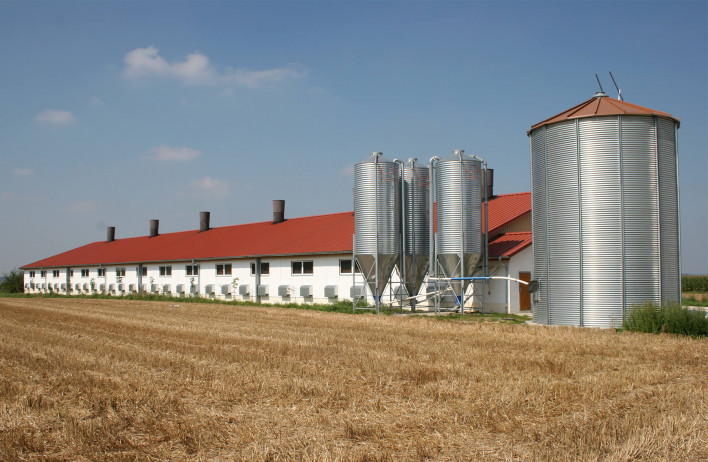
(115,113)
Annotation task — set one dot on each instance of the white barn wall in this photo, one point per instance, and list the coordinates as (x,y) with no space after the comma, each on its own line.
(326,271)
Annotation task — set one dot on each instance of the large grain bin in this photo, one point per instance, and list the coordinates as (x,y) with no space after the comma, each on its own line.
(416,235)
(605,212)
(459,217)
(377,232)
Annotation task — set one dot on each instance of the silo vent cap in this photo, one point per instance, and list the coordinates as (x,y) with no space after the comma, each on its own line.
(599,94)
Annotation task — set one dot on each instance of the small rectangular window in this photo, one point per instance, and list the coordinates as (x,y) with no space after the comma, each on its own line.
(71,272)
(143,271)
(120,272)
(223,270)
(345,267)
(84,273)
(165,271)
(192,270)
(302,267)
(31,274)
(55,273)
(265,268)
(102,272)
(43,273)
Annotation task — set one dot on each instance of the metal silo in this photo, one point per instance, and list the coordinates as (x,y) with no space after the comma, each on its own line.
(416,236)
(377,232)
(605,212)
(458,245)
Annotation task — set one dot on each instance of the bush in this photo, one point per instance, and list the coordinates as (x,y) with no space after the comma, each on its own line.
(670,318)
(12,282)
(694,283)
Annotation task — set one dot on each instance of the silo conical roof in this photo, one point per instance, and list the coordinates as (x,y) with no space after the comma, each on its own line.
(602,105)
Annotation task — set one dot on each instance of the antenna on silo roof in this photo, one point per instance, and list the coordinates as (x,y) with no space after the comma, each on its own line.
(619,92)
(598,82)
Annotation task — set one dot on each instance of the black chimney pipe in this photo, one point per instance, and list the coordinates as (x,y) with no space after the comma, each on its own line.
(278,211)
(154,227)
(204,221)
(110,233)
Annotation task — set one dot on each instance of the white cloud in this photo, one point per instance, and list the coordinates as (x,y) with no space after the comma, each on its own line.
(167,153)
(254,79)
(197,70)
(81,207)
(21,171)
(51,116)
(209,187)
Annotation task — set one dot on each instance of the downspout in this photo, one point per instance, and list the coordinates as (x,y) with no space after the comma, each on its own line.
(508,287)
(402,256)
(68,281)
(432,258)
(258,279)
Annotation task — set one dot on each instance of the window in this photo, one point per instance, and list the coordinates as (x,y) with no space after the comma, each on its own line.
(265,268)
(71,272)
(143,271)
(43,273)
(85,273)
(345,267)
(120,272)
(102,272)
(192,270)
(165,271)
(31,274)
(302,267)
(223,270)
(55,273)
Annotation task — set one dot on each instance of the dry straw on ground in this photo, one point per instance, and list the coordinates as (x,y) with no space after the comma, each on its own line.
(117,380)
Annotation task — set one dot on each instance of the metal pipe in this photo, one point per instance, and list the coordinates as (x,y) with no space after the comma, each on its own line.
(432,272)
(486,237)
(402,256)
(377,296)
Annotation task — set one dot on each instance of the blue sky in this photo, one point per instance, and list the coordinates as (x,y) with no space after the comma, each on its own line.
(116,113)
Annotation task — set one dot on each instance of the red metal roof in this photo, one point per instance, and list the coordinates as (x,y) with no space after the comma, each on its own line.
(602,105)
(509,244)
(321,234)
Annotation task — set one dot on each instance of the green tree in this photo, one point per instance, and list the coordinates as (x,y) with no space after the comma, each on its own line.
(12,282)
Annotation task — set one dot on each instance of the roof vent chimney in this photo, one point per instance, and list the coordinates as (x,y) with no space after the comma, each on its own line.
(490,183)
(278,211)
(204,221)
(154,227)
(110,233)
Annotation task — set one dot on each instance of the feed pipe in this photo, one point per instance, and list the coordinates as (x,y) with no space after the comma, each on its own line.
(401,257)
(432,271)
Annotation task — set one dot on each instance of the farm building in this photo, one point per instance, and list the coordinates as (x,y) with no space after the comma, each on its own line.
(298,260)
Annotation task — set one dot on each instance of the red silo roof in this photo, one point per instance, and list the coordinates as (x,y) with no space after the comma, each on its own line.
(602,105)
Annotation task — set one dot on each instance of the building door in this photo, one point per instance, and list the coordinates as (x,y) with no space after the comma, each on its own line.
(524,295)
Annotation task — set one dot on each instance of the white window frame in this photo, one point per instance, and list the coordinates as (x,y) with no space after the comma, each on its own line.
(166,271)
(355,265)
(302,267)
(224,268)
(120,272)
(85,272)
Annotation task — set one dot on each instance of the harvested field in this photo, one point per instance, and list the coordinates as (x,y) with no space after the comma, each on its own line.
(116,380)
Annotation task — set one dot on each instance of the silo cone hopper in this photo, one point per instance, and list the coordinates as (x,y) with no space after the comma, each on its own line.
(416,268)
(367,263)
(451,268)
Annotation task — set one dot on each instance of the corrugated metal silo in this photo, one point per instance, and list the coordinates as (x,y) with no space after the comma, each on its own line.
(459,216)
(377,232)
(416,233)
(605,212)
